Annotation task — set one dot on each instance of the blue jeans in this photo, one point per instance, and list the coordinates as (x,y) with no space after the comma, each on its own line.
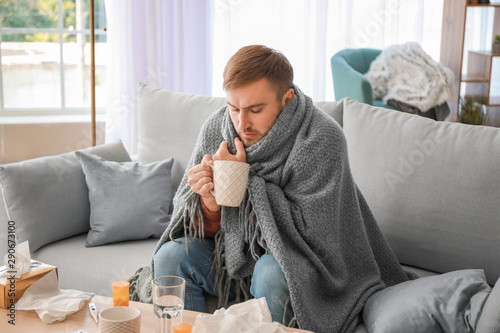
(268,279)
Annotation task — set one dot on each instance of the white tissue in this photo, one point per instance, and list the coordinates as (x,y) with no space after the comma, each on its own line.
(51,303)
(21,260)
(252,316)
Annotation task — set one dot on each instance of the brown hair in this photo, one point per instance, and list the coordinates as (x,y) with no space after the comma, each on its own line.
(254,62)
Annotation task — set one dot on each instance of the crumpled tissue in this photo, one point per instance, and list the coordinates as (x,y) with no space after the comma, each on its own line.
(51,303)
(252,316)
(20,262)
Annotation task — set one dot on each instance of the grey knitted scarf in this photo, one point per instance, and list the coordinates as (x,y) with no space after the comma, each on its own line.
(303,207)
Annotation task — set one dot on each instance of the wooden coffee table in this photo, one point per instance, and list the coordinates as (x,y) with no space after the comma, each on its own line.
(28,321)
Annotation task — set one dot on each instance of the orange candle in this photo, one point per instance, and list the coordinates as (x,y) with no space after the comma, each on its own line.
(120,293)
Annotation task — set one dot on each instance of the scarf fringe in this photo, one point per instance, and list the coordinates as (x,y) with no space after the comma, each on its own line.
(191,211)
(140,282)
(247,222)
(133,289)
(250,225)
(218,268)
(222,279)
(294,323)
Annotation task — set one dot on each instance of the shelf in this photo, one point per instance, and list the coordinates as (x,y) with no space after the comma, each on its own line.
(494,101)
(474,78)
(491,5)
(485,53)
(477,79)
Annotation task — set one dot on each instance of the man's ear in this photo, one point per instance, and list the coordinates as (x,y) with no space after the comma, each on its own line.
(288,96)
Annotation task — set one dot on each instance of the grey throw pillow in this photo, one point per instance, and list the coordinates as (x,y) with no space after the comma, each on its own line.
(450,302)
(490,317)
(46,198)
(127,200)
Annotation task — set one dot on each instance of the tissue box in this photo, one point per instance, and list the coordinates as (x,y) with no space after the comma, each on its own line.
(9,292)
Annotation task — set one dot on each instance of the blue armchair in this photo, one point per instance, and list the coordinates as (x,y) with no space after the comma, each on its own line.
(348,67)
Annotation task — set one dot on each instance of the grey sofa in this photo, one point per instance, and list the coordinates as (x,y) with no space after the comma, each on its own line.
(432,186)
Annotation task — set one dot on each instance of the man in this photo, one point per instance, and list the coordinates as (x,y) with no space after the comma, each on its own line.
(303,232)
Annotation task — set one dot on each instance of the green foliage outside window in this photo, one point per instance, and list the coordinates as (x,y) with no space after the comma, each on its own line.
(44,14)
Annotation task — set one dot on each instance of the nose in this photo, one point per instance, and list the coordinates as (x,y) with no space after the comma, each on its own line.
(244,120)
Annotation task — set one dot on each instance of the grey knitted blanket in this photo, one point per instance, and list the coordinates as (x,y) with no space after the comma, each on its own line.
(303,207)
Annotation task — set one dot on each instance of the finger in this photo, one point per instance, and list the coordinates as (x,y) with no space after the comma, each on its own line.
(207,159)
(197,169)
(241,155)
(222,148)
(196,177)
(205,190)
(203,187)
(198,186)
(222,152)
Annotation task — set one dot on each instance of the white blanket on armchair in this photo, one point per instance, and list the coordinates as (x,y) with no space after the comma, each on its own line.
(407,74)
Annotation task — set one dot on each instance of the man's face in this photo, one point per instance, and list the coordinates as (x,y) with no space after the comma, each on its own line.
(254,108)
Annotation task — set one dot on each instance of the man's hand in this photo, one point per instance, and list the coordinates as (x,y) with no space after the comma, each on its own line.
(224,154)
(200,179)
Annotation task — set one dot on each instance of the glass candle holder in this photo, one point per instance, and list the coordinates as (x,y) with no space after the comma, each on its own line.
(120,293)
(182,328)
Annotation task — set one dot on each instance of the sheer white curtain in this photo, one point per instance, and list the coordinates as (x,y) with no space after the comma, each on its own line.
(164,43)
(183,45)
(310,32)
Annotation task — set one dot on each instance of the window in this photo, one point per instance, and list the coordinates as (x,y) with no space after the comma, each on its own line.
(45,57)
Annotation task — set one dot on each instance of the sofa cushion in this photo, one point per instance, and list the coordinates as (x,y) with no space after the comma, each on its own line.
(432,186)
(128,200)
(169,124)
(450,302)
(333,109)
(47,197)
(94,269)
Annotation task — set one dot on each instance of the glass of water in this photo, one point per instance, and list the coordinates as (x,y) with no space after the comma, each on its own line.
(168,301)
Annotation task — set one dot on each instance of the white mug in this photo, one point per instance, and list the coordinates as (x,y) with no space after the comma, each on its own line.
(230,182)
(120,319)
